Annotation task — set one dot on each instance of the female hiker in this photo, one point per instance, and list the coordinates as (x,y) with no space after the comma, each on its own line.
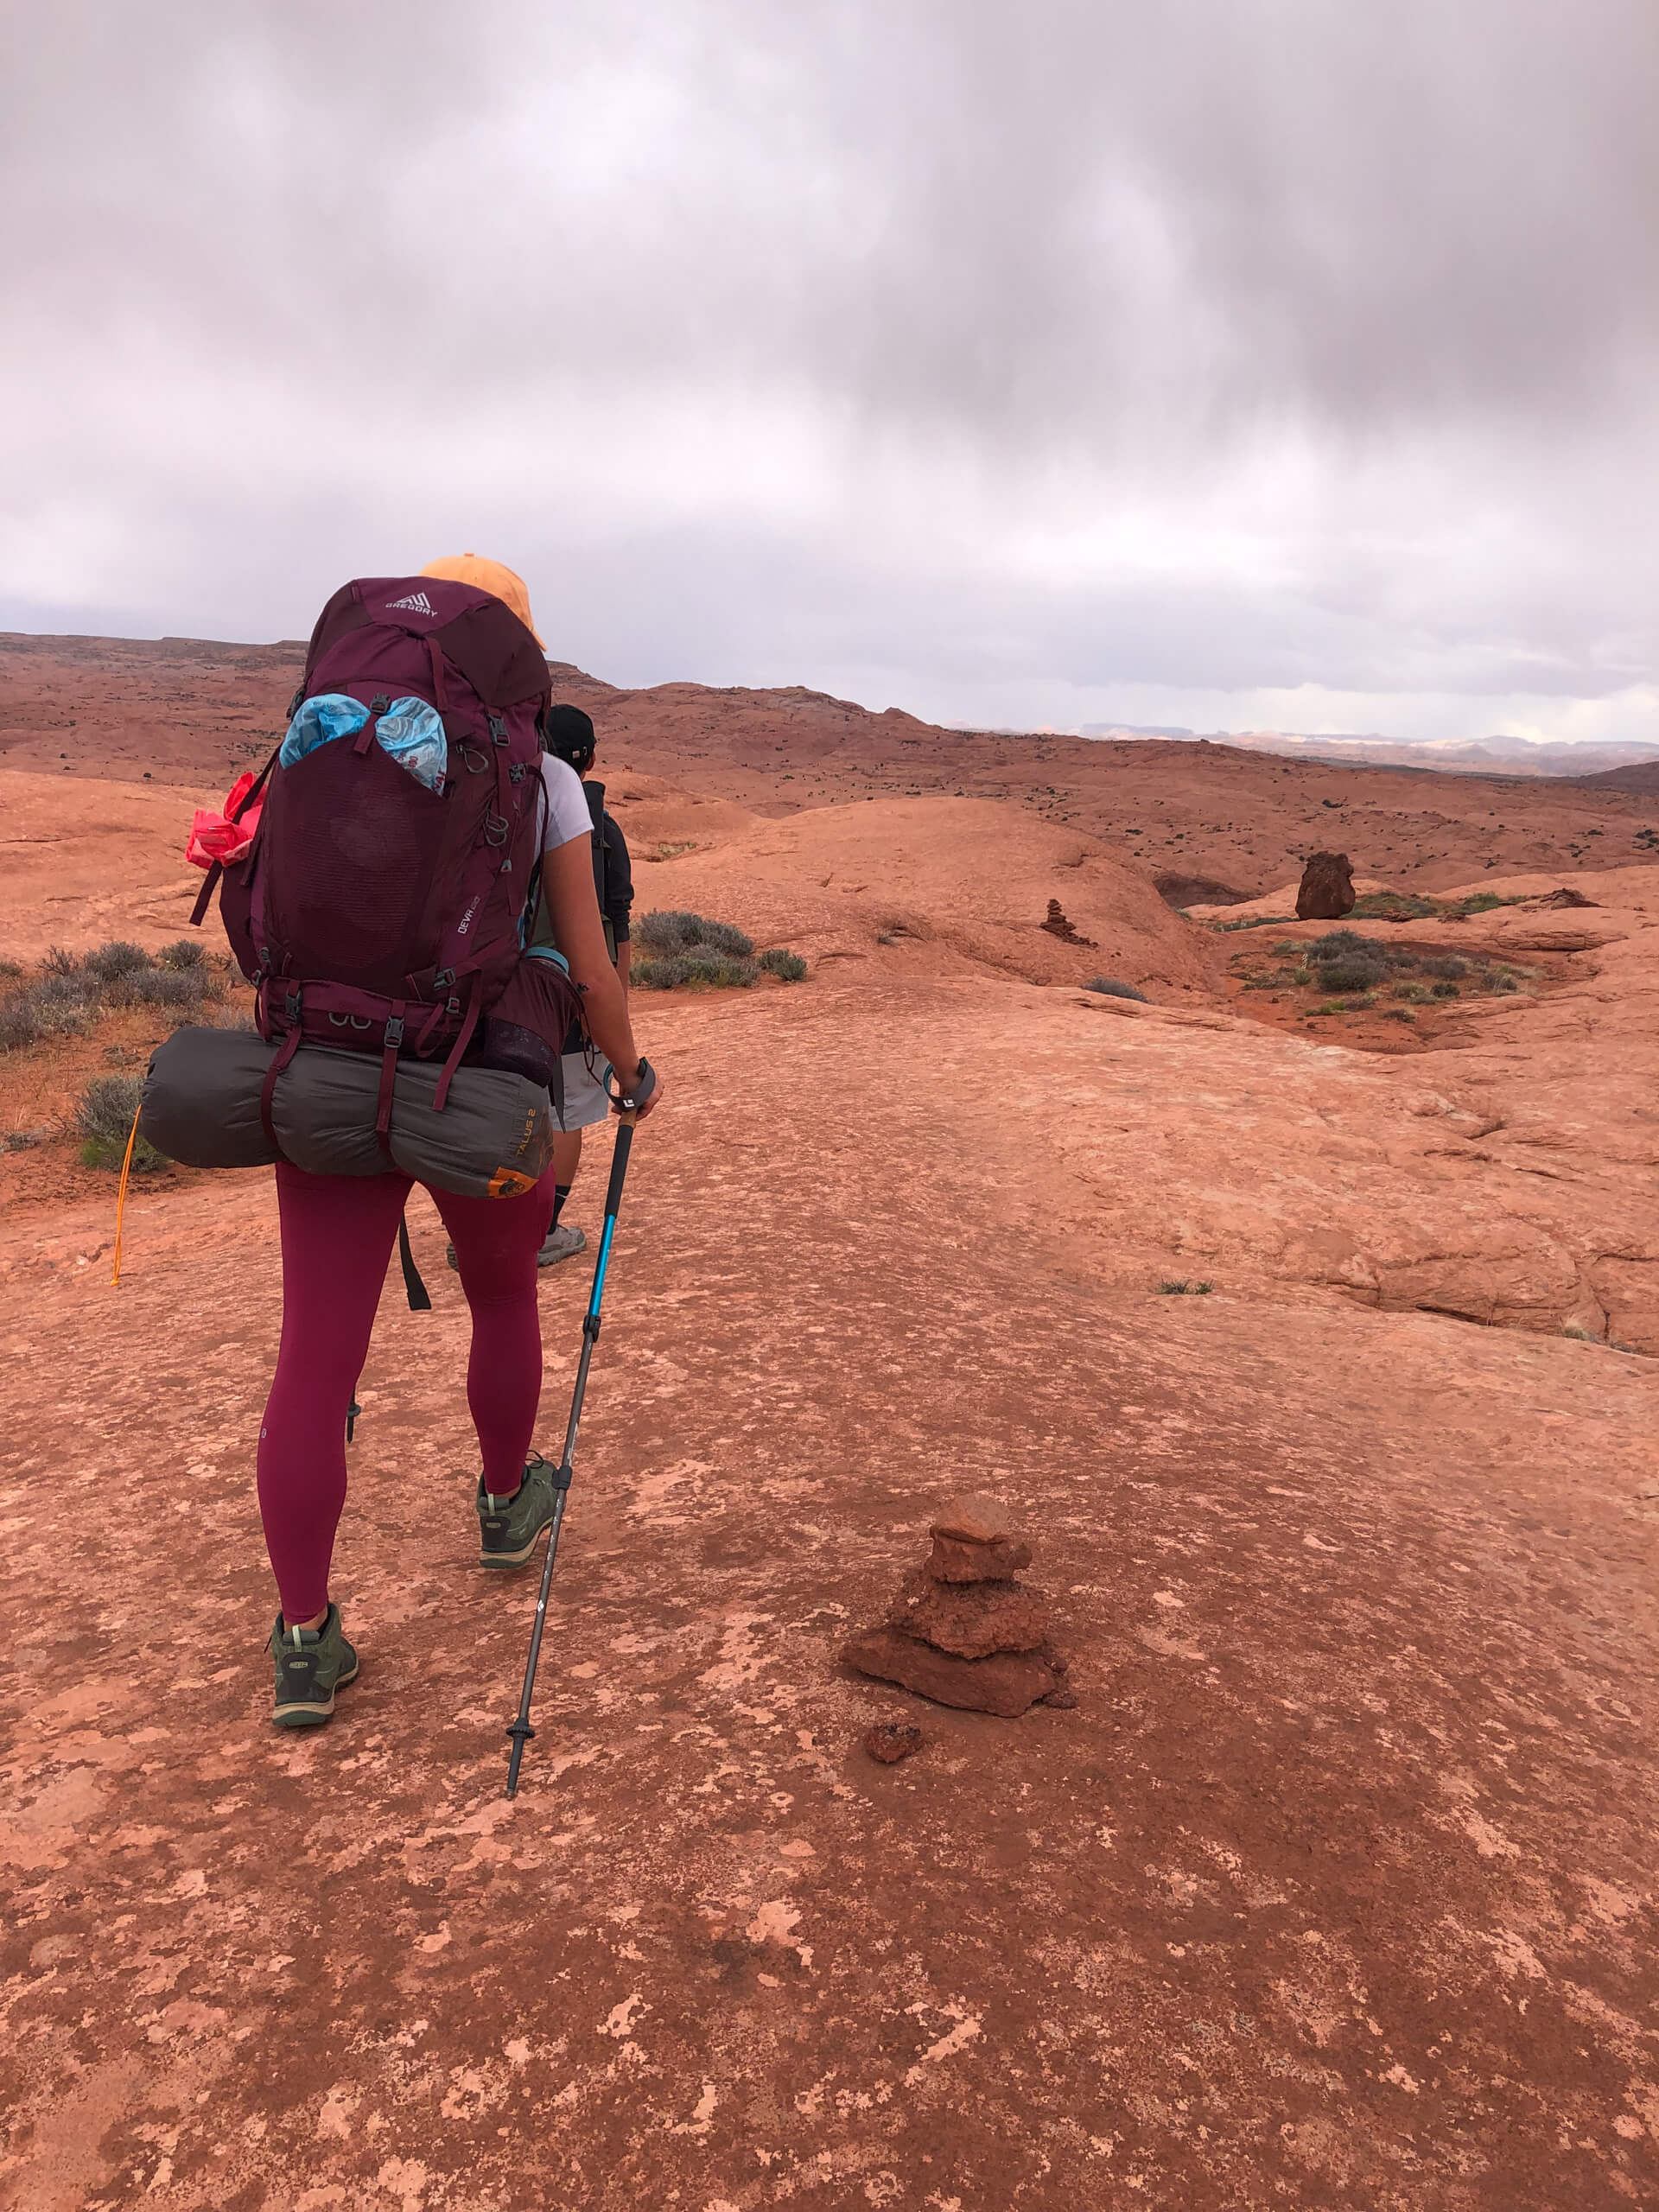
(568,736)
(337,1236)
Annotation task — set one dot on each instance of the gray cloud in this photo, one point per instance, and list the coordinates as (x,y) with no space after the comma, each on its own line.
(1226,345)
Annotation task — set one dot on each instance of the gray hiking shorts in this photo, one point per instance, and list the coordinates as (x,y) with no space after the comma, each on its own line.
(585,1103)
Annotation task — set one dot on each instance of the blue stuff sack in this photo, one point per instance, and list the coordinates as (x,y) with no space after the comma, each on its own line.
(409,730)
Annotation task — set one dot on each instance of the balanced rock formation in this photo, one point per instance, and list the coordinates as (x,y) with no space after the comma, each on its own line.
(961,1630)
(1327,891)
(1057,926)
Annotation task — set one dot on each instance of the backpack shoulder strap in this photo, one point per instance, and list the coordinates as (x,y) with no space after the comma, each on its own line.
(595,795)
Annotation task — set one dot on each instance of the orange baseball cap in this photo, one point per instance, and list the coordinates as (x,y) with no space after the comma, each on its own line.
(488,575)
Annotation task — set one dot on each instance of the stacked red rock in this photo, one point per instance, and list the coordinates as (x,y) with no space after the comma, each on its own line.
(1057,926)
(961,1631)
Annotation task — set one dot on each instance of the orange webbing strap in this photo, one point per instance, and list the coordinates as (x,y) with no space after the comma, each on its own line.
(121,1195)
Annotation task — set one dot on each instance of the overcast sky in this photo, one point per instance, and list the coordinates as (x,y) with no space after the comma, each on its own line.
(1229,363)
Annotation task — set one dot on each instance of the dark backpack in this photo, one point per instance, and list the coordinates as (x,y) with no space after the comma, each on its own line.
(374,913)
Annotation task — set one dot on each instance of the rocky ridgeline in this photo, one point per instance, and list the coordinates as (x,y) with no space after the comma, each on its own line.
(961,1631)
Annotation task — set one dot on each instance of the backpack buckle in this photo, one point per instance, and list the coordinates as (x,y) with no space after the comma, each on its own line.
(498,730)
(442,980)
(394,1031)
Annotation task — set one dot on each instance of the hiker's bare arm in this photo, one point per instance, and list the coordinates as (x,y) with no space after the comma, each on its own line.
(568,883)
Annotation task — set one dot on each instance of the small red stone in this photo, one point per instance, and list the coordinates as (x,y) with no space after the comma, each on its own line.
(892,1741)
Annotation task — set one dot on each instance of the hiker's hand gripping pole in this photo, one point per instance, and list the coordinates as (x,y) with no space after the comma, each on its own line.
(519,1729)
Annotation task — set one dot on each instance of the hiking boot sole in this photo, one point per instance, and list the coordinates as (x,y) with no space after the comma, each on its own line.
(306,1713)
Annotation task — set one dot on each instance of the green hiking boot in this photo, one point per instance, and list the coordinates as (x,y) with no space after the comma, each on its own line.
(508,1527)
(312,1663)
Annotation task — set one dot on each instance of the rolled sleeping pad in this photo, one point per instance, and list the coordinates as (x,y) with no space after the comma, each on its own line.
(200,1106)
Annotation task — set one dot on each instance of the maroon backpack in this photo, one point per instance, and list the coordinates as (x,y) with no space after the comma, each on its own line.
(379,914)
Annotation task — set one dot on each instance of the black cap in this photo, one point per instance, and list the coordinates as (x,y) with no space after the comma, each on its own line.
(568,733)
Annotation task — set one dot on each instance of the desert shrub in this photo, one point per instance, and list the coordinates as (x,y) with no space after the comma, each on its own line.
(235,1017)
(59,1005)
(1184,1289)
(1342,944)
(788,967)
(183,952)
(713,970)
(26,1139)
(104,1115)
(109,963)
(1350,975)
(1113,990)
(9,970)
(59,962)
(1446,964)
(174,988)
(667,932)
(20,1021)
(1444,991)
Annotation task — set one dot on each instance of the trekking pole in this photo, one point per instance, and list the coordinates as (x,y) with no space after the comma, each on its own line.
(519,1729)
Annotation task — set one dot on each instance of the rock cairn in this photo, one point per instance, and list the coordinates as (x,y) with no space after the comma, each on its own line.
(961,1631)
(1057,926)
(1327,891)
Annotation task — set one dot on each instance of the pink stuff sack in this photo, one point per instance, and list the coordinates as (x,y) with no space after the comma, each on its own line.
(215,836)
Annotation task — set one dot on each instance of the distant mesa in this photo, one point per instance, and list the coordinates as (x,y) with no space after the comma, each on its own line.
(1586,761)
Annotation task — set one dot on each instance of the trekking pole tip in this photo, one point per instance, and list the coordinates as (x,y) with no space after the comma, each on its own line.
(521,1732)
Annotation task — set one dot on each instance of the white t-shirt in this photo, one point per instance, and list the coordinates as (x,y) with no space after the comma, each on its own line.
(568,817)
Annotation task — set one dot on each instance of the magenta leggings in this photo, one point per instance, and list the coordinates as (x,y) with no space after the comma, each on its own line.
(338,1232)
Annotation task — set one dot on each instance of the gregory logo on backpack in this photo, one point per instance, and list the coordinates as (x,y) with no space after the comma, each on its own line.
(417,603)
